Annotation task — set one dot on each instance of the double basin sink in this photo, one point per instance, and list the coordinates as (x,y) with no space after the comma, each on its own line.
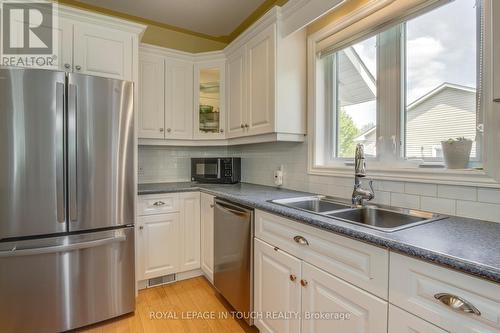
(378,217)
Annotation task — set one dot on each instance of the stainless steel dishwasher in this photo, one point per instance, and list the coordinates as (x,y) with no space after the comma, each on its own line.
(233,255)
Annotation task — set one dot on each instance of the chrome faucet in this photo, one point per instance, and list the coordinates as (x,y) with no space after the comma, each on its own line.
(359,194)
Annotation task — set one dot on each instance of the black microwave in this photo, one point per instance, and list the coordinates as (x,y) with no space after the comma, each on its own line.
(224,170)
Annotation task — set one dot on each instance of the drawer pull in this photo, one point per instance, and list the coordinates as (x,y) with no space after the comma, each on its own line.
(457,303)
(158,203)
(301,240)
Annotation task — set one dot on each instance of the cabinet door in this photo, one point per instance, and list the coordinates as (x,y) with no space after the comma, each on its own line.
(401,321)
(178,99)
(190,231)
(261,71)
(235,90)
(151,96)
(102,52)
(209,108)
(158,245)
(352,309)
(276,289)
(207,235)
(64,59)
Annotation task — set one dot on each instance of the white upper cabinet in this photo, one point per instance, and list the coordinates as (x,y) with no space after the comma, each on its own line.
(178,99)
(252,91)
(209,99)
(151,119)
(102,51)
(93,44)
(165,94)
(261,58)
(235,73)
(266,77)
(64,59)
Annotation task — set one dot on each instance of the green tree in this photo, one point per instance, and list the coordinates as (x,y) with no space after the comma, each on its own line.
(347,133)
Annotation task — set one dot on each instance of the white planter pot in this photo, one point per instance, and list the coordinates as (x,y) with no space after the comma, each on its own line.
(456,154)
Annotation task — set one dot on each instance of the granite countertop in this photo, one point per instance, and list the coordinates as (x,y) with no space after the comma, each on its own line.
(467,245)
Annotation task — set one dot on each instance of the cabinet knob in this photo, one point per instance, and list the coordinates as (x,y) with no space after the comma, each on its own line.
(169,130)
(161,129)
(141,227)
(67,66)
(221,130)
(300,240)
(78,67)
(303,282)
(293,278)
(212,206)
(242,126)
(246,125)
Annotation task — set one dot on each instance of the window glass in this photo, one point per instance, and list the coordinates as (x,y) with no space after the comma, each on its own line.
(441,75)
(355,89)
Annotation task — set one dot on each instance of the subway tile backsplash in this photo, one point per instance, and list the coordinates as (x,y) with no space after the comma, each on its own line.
(167,164)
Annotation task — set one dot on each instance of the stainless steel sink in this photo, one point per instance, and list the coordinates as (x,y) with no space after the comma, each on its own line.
(314,204)
(378,217)
(385,219)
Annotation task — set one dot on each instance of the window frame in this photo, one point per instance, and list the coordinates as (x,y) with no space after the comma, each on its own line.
(358,25)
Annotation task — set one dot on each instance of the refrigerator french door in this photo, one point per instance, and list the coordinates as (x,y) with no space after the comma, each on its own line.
(66,200)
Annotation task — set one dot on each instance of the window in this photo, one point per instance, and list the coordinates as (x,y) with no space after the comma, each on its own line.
(402,89)
(440,79)
(354,72)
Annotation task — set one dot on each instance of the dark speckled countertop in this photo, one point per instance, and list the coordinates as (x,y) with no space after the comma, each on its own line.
(467,245)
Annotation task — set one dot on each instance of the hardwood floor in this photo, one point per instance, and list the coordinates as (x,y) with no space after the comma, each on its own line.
(173,307)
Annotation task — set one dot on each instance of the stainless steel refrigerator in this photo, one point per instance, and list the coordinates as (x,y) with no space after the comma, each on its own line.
(66,200)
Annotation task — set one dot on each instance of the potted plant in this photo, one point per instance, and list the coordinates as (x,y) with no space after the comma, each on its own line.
(456,152)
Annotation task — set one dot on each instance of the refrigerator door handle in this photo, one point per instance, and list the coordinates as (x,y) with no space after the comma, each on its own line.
(60,192)
(72,152)
(118,237)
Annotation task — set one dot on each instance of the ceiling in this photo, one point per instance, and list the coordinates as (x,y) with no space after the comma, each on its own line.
(210,17)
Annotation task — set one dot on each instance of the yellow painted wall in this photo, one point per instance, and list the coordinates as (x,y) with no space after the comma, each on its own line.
(337,13)
(177,38)
(161,34)
(180,41)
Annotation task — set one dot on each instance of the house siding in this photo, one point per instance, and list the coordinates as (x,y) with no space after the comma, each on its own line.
(451,113)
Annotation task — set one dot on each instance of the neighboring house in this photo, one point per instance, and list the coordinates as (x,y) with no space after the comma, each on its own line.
(448,111)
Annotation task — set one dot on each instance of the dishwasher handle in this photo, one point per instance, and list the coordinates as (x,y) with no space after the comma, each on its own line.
(226,206)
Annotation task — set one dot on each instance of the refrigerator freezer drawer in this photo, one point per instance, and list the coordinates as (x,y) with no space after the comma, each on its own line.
(60,283)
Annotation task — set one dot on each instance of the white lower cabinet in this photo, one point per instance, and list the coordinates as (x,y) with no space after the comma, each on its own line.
(168,234)
(207,235)
(158,243)
(190,231)
(401,321)
(454,301)
(314,300)
(350,308)
(276,288)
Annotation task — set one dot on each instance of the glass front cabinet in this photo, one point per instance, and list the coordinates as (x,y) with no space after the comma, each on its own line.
(209,110)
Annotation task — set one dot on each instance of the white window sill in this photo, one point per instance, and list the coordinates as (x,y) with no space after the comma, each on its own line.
(463,177)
